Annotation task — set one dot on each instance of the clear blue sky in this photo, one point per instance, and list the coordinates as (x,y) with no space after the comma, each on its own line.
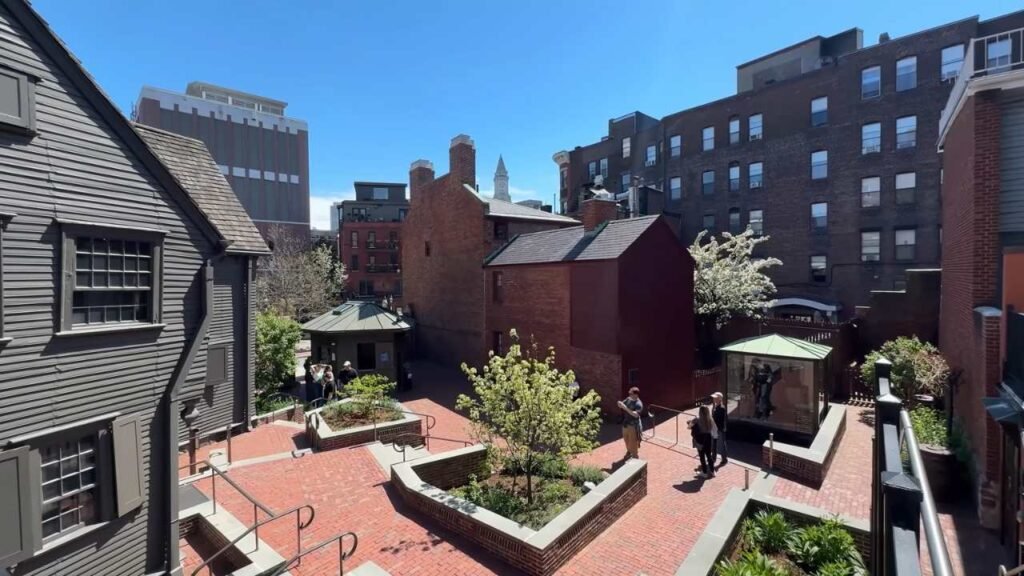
(383,83)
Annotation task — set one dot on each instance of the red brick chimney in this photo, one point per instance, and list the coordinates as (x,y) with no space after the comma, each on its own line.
(462,160)
(597,211)
(421,173)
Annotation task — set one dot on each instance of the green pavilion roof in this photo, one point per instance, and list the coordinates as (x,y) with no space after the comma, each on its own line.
(780,347)
(357,316)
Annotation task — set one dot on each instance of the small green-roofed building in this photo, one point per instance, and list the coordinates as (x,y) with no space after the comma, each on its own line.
(371,337)
(777,382)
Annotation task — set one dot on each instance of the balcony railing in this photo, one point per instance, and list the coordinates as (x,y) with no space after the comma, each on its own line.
(986,57)
(382,268)
(382,244)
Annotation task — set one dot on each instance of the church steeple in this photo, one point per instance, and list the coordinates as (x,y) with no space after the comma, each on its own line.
(501,181)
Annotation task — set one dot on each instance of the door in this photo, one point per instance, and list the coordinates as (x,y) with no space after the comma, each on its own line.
(1010,489)
(366,356)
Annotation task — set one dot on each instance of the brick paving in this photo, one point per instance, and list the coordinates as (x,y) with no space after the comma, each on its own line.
(263,440)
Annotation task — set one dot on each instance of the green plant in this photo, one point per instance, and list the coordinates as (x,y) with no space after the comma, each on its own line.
(917,367)
(751,563)
(544,465)
(769,532)
(528,410)
(263,405)
(825,543)
(495,499)
(370,390)
(929,427)
(837,569)
(579,475)
(276,337)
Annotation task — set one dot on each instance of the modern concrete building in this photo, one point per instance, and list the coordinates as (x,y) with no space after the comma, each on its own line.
(263,153)
(370,240)
(981,328)
(827,146)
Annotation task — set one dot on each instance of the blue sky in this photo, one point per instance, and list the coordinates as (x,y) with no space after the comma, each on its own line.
(384,83)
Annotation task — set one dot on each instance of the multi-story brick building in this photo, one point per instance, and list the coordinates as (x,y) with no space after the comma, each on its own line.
(606,295)
(263,153)
(370,239)
(448,233)
(981,328)
(827,146)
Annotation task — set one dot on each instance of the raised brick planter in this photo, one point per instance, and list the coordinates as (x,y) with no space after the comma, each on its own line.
(294,413)
(322,437)
(422,484)
(811,464)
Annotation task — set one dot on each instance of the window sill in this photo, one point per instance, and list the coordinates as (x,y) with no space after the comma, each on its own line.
(5,341)
(62,540)
(109,329)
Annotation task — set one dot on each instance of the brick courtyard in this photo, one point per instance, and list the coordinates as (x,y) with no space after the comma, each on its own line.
(351,492)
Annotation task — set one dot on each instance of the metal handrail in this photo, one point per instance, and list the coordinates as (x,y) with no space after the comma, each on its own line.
(299,526)
(426,440)
(218,472)
(937,549)
(654,427)
(273,413)
(342,555)
(1014,572)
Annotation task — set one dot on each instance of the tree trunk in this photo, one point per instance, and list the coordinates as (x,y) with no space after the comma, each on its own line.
(529,479)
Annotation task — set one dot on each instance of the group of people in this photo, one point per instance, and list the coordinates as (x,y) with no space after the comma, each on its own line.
(707,430)
(323,374)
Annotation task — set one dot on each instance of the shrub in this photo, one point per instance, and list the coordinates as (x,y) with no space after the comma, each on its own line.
(276,337)
(917,367)
(837,569)
(751,563)
(544,465)
(769,532)
(929,427)
(370,390)
(495,499)
(828,542)
(580,475)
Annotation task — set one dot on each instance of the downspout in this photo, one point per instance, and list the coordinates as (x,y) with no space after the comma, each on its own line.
(180,375)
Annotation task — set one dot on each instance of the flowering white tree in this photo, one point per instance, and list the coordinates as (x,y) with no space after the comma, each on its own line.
(727,281)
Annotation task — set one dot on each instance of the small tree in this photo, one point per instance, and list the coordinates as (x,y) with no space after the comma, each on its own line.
(276,337)
(727,281)
(917,367)
(525,409)
(297,280)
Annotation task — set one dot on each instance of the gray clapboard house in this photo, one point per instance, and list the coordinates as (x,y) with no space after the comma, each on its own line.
(114,263)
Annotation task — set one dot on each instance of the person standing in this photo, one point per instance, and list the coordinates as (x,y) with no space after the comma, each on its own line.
(329,383)
(347,374)
(721,418)
(703,431)
(631,408)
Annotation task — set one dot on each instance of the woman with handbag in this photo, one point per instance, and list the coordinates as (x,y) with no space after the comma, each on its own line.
(704,433)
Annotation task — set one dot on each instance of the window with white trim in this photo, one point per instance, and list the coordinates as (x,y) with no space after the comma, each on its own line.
(380,193)
(819,111)
(906,182)
(870,82)
(734,130)
(870,246)
(871,138)
(952,61)
(734,177)
(604,168)
(708,138)
(676,187)
(819,216)
(870,192)
(755,127)
(755,221)
(906,244)
(676,145)
(652,155)
(906,73)
(626,147)
(997,53)
(906,132)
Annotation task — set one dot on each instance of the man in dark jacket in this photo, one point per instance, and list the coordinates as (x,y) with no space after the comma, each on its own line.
(721,417)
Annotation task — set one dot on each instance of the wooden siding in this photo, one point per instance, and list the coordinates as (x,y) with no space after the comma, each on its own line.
(74,167)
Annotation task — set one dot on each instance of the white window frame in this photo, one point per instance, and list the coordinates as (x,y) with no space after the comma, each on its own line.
(950,67)
(875,255)
(707,138)
(734,130)
(871,138)
(906,137)
(675,187)
(819,105)
(676,145)
(905,237)
(651,158)
(816,218)
(864,73)
(819,262)
(903,182)
(755,127)
(755,221)
(1001,60)
(870,192)
(735,175)
(755,180)
(627,147)
(909,74)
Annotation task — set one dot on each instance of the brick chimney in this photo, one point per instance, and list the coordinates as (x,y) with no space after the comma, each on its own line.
(597,211)
(462,160)
(421,173)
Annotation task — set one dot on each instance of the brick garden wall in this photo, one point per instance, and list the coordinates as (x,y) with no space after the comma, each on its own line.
(802,469)
(862,538)
(385,433)
(452,472)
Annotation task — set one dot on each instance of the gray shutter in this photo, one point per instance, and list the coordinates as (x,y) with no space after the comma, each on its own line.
(128,464)
(20,529)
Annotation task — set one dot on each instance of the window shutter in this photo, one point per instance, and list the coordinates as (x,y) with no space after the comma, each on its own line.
(20,530)
(128,463)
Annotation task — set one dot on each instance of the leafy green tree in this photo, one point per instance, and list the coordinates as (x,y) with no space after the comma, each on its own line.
(276,337)
(526,411)
(917,367)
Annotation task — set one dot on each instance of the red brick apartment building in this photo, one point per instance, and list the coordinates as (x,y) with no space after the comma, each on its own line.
(448,233)
(613,297)
(981,329)
(370,240)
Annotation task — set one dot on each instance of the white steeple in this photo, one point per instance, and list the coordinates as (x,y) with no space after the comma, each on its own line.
(501,181)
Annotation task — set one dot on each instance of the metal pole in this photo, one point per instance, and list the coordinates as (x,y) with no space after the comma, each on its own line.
(193,447)
(213,480)
(341,557)
(228,432)
(746,478)
(932,530)
(771,450)
(298,537)
(256,523)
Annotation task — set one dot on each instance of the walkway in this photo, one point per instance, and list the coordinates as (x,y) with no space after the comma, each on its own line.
(264,440)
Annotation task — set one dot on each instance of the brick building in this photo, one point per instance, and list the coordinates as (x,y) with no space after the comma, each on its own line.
(370,239)
(606,295)
(448,233)
(981,135)
(827,146)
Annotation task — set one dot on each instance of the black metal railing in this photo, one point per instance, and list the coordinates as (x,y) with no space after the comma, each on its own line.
(381,268)
(342,553)
(901,497)
(399,444)
(255,528)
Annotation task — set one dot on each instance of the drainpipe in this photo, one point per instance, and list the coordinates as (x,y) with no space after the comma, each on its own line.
(180,375)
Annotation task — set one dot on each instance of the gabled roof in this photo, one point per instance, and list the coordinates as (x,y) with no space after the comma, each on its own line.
(779,346)
(191,164)
(606,242)
(357,316)
(62,57)
(503,209)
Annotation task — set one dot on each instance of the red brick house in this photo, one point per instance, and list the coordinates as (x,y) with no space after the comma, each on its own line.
(606,295)
(981,135)
(448,233)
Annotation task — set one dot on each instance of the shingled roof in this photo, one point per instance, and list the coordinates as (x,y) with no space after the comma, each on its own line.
(513,211)
(606,242)
(191,164)
(357,316)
